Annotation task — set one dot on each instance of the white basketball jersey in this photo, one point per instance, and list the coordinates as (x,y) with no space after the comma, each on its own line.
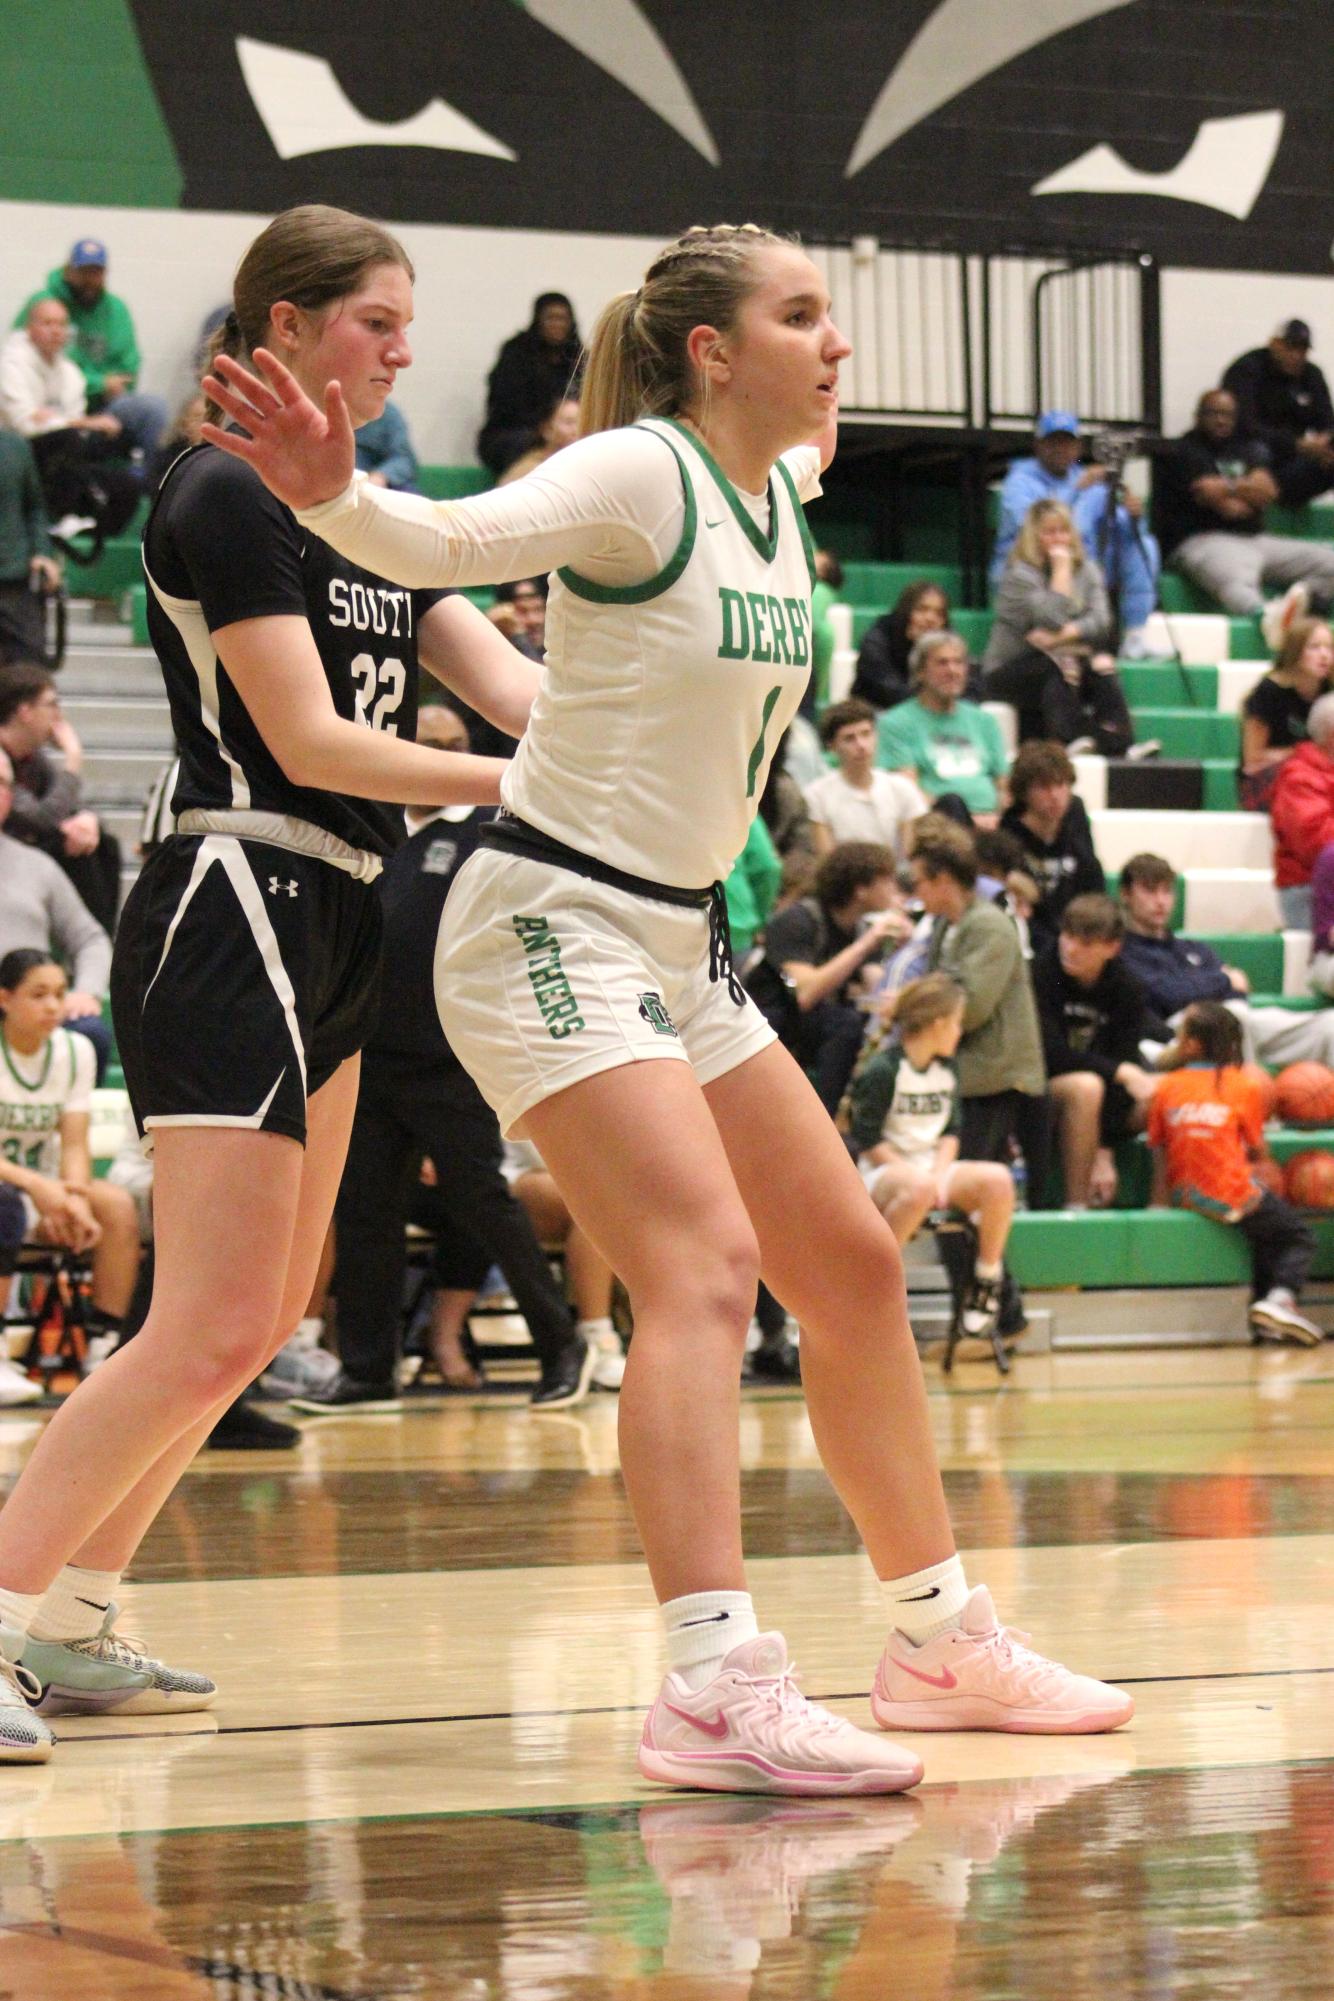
(651,737)
(35,1093)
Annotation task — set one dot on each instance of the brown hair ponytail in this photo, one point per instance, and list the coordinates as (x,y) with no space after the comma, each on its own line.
(312,256)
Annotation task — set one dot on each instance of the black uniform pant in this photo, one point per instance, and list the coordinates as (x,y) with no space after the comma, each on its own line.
(406,1109)
(1050,708)
(990,1123)
(1282,1246)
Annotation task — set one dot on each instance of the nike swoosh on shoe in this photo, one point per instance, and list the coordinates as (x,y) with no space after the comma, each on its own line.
(718,1727)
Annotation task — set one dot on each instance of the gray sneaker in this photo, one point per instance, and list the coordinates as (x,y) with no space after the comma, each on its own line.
(109,1673)
(24,1738)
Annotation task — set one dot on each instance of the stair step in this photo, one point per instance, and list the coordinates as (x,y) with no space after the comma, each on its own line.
(121,777)
(121,722)
(106,671)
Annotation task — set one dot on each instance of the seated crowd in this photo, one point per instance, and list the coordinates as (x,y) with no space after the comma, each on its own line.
(921,914)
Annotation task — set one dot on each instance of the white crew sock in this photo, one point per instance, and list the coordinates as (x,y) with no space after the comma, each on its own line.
(988,1271)
(17,1610)
(76,1604)
(702,1628)
(927,1602)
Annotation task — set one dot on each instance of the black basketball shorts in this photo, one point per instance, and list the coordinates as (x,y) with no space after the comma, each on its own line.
(243,976)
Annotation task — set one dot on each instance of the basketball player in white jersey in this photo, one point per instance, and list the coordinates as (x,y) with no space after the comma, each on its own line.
(583,976)
(246,962)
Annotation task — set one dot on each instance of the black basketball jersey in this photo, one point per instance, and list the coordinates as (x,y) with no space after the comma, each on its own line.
(219,548)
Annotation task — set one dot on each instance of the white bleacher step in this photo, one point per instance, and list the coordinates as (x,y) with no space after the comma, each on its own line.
(99,670)
(124,822)
(1091,781)
(1236,678)
(120,777)
(1007,721)
(1230,899)
(1204,637)
(1188,840)
(842,669)
(95,624)
(840,624)
(121,722)
(1296,962)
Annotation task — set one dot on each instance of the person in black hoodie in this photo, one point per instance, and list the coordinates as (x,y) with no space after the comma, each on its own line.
(533,371)
(882,676)
(1094,1016)
(1052,827)
(1283,399)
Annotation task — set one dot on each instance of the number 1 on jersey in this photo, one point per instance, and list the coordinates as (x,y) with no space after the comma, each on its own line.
(757,755)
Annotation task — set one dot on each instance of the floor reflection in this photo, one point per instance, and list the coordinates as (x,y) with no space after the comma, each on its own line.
(1077,1884)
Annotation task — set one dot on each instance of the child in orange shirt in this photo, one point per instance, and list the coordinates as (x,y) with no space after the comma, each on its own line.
(1206,1126)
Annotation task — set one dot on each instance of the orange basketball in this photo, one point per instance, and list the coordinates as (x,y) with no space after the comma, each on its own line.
(1304,1093)
(1269,1173)
(1310,1180)
(1264,1085)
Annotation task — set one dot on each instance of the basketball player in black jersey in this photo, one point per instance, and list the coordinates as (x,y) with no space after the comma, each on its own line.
(246,965)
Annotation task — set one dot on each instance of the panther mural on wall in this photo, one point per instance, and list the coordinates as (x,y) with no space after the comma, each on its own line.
(1198,129)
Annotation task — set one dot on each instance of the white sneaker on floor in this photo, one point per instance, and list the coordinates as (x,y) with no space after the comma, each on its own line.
(16,1386)
(751,1730)
(608,1362)
(1277,1319)
(1277,618)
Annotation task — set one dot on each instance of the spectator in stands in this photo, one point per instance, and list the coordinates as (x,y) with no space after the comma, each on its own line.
(882,676)
(46,1086)
(104,345)
(1175,972)
(47,809)
(384,451)
(180,434)
(520,611)
(1206,1128)
(1274,714)
(906,1122)
(948,745)
(559,427)
(856,802)
(42,398)
(1048,651)
(1302,814)
(1212,494)
(1001,1078)
(1122,545)
(29,568)
(1283,400)
(816,955)
(534,370)
(784,812)
(826,592)
(1321,974)
(752,887)
(1094,1017)
(416,1098)
(1052,827)
(39,907)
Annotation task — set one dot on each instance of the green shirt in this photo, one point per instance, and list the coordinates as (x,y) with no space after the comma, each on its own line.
(752,886)
(102,338)
(23,532)
(959,752)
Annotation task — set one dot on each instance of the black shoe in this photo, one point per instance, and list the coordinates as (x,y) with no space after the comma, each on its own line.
(776,1362)
(346,1395)
(245,1429)
(566,1380)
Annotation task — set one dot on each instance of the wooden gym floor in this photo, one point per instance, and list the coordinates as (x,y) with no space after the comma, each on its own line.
(434,1644)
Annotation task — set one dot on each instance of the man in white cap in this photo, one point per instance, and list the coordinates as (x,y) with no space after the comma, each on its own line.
(102,344)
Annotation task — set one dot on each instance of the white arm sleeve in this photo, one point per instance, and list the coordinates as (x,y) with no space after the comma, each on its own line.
(610,506)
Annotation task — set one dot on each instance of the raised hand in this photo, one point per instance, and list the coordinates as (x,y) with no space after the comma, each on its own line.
(303,454)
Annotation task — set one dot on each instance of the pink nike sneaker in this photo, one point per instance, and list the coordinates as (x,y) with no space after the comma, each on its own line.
(751,1730)
(981,1676)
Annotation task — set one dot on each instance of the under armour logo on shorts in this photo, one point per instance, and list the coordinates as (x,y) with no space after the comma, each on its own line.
(276,884)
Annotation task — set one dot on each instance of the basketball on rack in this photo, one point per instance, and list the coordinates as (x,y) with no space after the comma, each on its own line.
(1310,1180)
